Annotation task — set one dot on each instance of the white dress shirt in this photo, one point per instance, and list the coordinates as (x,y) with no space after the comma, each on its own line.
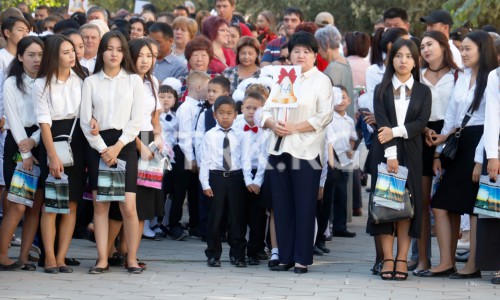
(441,93)
(315,105)
(457,56)
(401,104)
(187,114)
(116,103)
(5,60)
(19,110)
(212,155)
(151,104)
(59,101)
(170,128)
(89,63)
(460,103)
(374,75)
(200,131)
(255,146)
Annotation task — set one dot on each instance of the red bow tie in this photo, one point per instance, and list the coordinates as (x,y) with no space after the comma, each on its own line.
(254,129)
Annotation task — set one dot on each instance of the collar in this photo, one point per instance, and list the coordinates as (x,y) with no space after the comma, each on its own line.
(338,116)
(72,74)
(120,74)
(310,72)
(92,58)
(396,83)
(168,58)
(220,128)
(192,100)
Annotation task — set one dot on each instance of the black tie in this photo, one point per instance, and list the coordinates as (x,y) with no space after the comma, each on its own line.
(226,152)
(168,118)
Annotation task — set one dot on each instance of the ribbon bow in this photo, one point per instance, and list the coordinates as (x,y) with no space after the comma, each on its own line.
(284,73)
(255,129)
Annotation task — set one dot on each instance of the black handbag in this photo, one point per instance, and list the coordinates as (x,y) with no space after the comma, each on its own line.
(381,214)
(451,145)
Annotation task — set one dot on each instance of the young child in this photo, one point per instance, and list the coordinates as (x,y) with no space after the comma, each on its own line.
(340,139)
(217,86)
(255,144)
(186,167)
(222,179)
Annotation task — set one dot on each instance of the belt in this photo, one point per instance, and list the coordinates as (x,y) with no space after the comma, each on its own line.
(226,173)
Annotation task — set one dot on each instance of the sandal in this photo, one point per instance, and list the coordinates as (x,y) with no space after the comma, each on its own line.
(398,275)
(383,273)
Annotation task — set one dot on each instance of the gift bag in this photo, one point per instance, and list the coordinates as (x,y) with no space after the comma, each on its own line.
(435,183)
(23,185)
(111,182)
(57,194)
(390,201)
(150,173)
(488,197)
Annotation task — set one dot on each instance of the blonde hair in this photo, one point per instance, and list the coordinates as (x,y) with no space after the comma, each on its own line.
(196,78)
(186,23)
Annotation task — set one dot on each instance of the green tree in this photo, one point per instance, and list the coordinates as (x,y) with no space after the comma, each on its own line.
(474,13)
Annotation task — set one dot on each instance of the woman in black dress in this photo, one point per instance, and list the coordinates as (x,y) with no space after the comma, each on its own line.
(402,109)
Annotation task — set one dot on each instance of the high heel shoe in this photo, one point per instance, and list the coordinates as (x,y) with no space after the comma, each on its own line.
(383,273)
(402,275)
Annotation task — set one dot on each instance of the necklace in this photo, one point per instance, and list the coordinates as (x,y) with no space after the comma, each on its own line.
(435,71)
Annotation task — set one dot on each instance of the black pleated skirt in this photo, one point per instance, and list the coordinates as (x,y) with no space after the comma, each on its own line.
(79,145)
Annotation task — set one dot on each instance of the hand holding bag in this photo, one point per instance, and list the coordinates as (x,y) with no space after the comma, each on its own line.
(63,148)
(23,185)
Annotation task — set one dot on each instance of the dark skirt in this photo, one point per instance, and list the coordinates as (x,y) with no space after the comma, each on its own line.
(428,152)
(11,152)
(457,192)
(76,173)
(266,198)
(488,244)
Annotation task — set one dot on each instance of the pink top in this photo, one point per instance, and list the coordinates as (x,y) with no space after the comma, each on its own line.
(218,66)
(358,68)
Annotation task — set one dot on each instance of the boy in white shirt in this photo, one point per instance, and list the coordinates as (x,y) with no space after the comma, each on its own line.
(186,168)
(340,139)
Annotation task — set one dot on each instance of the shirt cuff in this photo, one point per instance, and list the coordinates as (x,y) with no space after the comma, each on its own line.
(248,180)
(391,152)
(399,131)
(205,185)
(490,155)
(26,155)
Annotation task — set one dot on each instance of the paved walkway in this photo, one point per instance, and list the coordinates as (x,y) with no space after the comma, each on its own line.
(177,270)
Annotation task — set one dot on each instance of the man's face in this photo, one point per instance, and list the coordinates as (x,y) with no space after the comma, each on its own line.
(396,22)
(180,13)
(165,45)
(91,39)
(291,22)
(96,15)
(444,28)
(41,14)
(224,9)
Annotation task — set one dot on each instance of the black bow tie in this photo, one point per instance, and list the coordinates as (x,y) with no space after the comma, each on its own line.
(168,118)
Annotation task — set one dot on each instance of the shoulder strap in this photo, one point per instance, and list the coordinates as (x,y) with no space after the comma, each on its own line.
(455,75)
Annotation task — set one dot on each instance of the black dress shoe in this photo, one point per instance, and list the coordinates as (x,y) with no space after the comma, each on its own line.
(495,280)
(14,266)
(428,273)
(273,262)
(212,262)
(457,275)
(98,270)
(300,270)
(282,267)
(54,270)
(317,251)
(253,261)
(232,260)
(71,262)
(344,233)
(240,263)
(135,270)
(262,255)
(376,268)
(323,248)
(65,269)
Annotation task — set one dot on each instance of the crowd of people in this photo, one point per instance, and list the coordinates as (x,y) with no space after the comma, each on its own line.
(97,97)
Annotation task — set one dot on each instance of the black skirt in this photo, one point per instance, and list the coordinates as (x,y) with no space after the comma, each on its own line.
(457,192)
(79,145)
(11,152)
(428,152)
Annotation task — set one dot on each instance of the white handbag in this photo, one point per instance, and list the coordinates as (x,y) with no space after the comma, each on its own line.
(63,148)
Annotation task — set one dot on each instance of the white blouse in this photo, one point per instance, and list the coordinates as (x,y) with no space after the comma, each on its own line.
(461,100)
(492,118)
(315,105)
(116,103)
(58,101)
(151,104)
(19,110)
(441,93)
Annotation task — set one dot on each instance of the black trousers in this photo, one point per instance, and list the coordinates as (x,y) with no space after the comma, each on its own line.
(185,181)
(256,219)
(228,192)
(294,186)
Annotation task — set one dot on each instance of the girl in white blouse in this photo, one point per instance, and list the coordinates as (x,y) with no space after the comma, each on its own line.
(114,96)
(23,138)
(57,98)
(457,192)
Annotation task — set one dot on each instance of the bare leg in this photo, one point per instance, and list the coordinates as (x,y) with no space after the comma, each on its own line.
(272,231)
(404,242)
(31,220)
(426,223)
(66,228)
(9,224)
(443,225)
(470,266)
(101,227)
(455,232)
(387,243)
(48,229)
(131,228)
(113,231)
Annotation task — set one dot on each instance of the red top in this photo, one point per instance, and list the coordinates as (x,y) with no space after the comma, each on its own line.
(245,31)
(218,66)
(321,63)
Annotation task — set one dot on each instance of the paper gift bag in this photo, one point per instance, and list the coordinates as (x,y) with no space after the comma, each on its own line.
(111,182)
(488,197)
(23,185)
(57,194)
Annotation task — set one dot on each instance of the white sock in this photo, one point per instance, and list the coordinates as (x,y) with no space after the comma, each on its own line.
(274,253)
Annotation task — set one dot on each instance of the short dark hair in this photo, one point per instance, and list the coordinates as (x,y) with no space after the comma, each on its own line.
(182,7)
(151,7)
(303,38)
(43,6)
(221,100)
(294,11)
(164,28)
(396,12)
(254,95)
(64,25)
(10,22)
(165,88)
(222,81)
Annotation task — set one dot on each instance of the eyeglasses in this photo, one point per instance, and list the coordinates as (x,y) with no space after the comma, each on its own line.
(283,59)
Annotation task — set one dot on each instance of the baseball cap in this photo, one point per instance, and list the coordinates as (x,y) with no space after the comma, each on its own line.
(438,16)
(324,18)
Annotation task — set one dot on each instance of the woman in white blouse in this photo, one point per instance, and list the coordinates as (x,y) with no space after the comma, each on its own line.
(114,96)
(23,138)
(57,99)
(439,72)
(457,192)
(298,156)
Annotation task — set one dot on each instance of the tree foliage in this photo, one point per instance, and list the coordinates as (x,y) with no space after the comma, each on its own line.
(474,13)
